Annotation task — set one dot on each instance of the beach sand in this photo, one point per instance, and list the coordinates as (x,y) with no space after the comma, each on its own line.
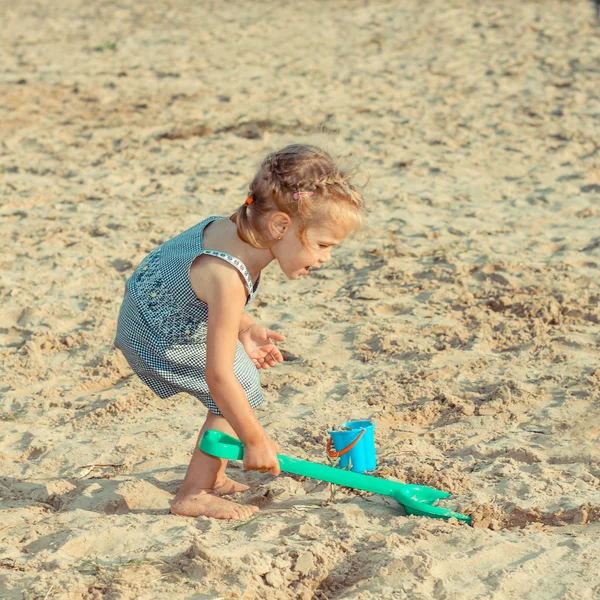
(464,320)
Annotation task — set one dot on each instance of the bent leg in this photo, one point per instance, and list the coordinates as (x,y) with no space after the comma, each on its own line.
(205,479)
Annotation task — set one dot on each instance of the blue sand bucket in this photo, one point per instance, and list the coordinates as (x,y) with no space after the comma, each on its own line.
(356,446)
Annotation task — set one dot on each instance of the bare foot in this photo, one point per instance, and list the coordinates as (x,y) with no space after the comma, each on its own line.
(209,505)
(227,486)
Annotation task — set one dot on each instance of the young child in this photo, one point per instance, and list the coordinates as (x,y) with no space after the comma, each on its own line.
(182,325)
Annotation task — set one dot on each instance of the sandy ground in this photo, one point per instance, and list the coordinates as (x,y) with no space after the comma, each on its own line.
(465,321)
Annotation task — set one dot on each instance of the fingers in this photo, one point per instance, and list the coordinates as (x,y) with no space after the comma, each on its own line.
(262,457)
(269,360)
(275,470)
(275,336)
(276,354)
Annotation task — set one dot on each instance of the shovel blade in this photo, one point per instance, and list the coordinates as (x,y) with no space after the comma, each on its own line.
(422,506)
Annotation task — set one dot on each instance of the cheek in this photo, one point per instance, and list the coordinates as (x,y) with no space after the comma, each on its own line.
(292,254)
(300,252)
(309,257)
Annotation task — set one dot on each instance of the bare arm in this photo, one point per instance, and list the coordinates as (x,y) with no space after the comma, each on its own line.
(220,286)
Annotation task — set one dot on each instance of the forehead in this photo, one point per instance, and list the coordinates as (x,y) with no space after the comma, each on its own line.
(332,233)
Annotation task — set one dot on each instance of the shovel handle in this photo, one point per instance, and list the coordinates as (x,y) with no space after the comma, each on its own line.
(217,443)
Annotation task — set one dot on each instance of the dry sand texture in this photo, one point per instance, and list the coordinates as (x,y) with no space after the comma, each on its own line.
(465,322)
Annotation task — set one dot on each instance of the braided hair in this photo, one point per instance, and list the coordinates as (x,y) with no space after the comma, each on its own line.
(303,182)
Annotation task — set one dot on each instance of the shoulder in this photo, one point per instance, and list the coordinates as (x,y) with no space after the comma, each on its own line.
(196,229)
(214,280)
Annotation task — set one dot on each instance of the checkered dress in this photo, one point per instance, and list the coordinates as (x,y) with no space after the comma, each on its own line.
(163,325)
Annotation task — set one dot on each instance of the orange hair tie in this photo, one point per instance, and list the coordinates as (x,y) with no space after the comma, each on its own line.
(249,200)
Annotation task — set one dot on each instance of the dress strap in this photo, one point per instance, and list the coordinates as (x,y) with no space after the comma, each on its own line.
(238,264)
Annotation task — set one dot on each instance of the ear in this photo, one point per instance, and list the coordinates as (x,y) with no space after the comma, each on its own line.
(279,223)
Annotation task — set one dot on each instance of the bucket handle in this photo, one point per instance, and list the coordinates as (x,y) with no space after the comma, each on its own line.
(335,454)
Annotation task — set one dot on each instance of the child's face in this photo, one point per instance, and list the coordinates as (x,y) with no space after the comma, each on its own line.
(296,257)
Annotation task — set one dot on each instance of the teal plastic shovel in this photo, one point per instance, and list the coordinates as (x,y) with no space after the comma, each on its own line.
(416,499)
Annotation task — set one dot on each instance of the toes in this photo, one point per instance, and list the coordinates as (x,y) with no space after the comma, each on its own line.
(248,512)
(243,513)
(238,513)
(251,510)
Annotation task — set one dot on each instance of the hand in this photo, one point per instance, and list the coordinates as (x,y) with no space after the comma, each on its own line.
(262,457)
(259,345)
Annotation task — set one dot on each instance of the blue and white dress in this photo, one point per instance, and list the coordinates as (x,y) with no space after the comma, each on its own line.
(162,325)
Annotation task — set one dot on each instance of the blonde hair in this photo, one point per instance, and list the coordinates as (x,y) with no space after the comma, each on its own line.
(298,168)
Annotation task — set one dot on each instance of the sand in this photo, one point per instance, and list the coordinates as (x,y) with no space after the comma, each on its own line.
(465,321)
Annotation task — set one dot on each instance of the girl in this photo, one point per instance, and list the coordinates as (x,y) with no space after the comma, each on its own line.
(182,325)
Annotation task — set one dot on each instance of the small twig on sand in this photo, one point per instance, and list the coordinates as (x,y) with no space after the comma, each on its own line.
(49,592)
(114,465)
(246,522)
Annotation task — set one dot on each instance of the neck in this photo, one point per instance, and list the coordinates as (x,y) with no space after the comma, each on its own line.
(255,259)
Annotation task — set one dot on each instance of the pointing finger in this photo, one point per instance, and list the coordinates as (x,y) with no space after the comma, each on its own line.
(275,336)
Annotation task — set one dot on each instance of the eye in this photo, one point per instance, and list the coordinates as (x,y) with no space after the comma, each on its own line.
(324,246)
